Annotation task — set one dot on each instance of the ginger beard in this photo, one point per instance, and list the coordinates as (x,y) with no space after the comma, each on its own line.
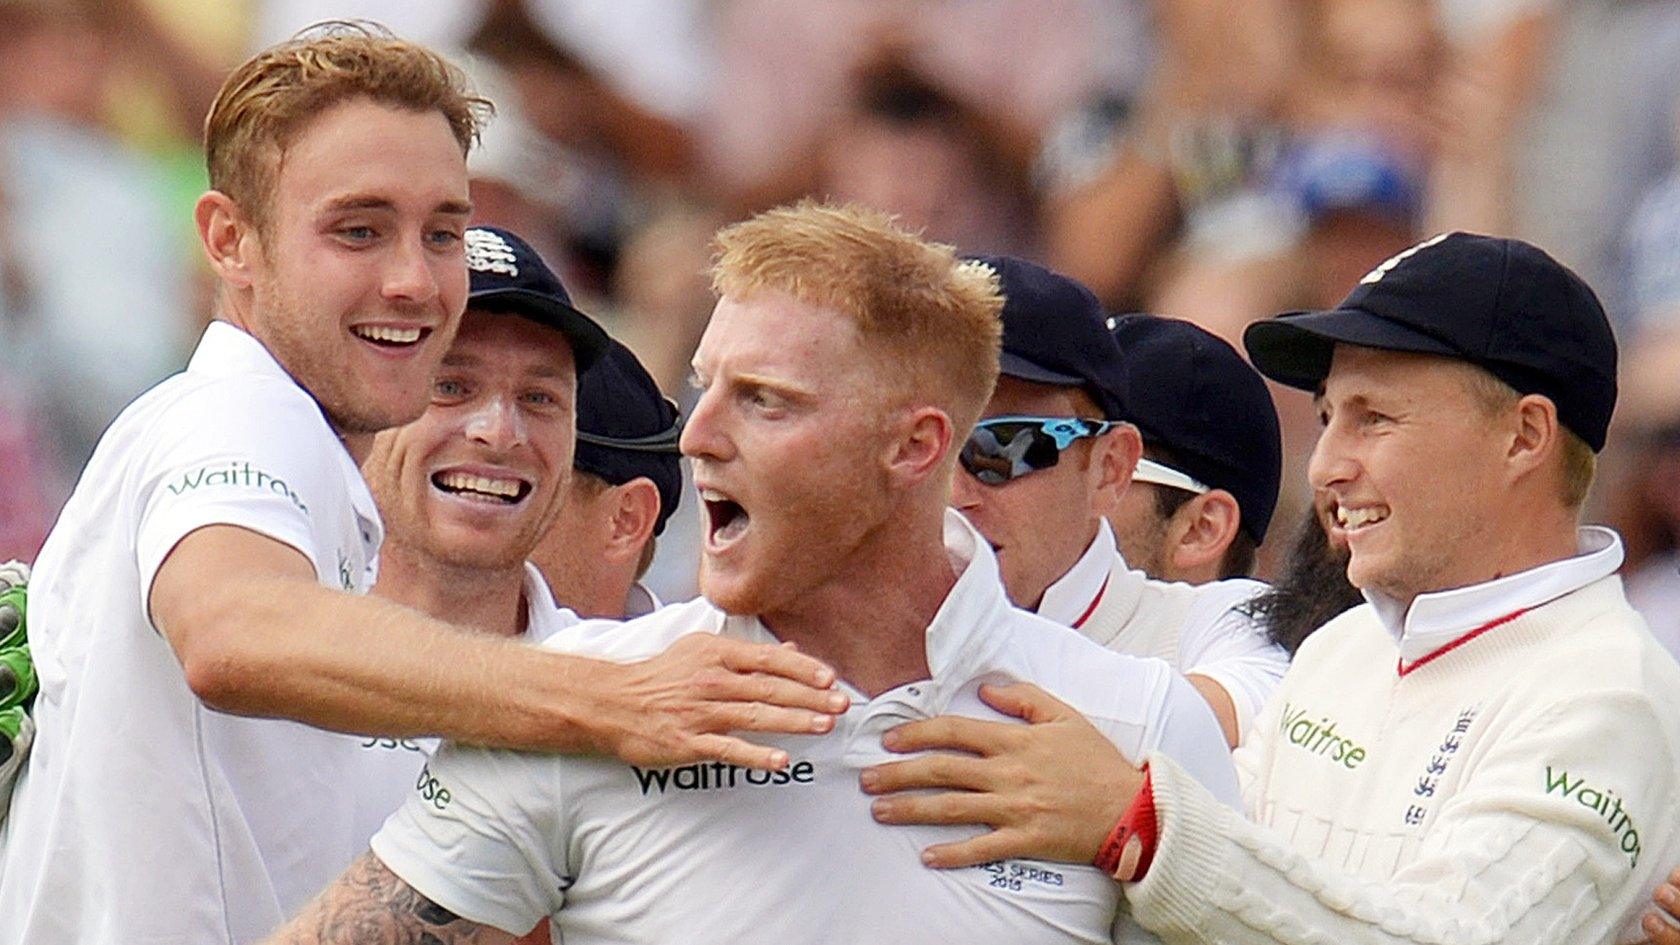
(359,278)
(790,442)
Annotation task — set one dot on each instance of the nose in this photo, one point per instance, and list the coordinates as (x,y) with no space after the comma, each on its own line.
(498,424)
(703,435)
(1332,460)
(966,491)
(409,273)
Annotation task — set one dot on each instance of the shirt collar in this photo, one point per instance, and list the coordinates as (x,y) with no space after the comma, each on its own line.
(225,350)
(969,626)
(543,616)
(1072,596)
(1438,619)
(641,601)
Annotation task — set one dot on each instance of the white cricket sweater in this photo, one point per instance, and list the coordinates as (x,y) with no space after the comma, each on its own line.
(1520,787)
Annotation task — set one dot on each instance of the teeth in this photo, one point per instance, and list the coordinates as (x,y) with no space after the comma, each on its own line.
(386,333)
(712,495)
(462,482)
(1354,518)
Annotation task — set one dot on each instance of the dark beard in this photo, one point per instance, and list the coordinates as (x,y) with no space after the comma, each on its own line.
(1313,589)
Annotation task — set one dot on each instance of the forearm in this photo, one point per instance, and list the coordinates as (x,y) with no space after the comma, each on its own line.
(287,648)
(370,905)
(1217,877)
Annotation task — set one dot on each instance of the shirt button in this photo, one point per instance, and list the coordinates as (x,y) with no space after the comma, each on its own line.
(913,691)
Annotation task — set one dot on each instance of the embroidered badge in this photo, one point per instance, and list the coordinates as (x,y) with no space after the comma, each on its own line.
(488,252)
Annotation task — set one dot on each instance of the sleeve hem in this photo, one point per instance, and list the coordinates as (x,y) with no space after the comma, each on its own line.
(436,885)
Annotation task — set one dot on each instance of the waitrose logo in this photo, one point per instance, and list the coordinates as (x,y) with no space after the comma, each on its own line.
(241,474)
(1602,802)
(716,775)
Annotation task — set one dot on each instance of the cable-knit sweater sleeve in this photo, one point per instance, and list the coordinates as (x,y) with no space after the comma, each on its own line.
(1556,836)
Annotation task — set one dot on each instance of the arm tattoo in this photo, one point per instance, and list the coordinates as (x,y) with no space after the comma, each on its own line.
(370,905)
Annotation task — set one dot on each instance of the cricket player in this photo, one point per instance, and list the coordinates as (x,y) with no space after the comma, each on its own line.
(1201,500)
(845,361)
(626,483)
(1485,751)
(1055,452)
(198,626)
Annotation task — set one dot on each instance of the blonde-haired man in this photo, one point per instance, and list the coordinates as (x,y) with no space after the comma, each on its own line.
(843,363)
(198,576)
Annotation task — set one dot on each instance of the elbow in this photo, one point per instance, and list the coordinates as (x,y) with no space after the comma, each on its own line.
(219,671)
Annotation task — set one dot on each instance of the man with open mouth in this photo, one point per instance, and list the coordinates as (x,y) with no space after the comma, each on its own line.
(844,364)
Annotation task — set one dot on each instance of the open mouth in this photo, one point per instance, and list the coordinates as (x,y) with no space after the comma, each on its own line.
(390,336)
(726,519)
(491,490)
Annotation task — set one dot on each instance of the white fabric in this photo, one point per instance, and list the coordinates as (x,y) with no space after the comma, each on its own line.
(711,853)
(145,817)
(1437,619)
(1518,789)
(1198,628)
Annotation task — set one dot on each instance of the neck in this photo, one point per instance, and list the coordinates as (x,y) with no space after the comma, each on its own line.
(869,620)
(1520,551)
(486,600)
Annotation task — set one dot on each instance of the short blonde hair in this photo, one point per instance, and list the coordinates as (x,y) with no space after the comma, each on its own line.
(1578,464)
(266,101)
(936,317)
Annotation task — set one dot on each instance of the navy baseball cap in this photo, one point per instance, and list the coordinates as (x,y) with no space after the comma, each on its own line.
(506,275)
(627,428)
(1055,332)
(1192,394)
(1500,304)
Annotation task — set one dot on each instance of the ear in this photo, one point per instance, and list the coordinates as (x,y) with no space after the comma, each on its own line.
(1534,433)
(1202,530)
(1114,460)
(919,449)
(228,238)
(634,514)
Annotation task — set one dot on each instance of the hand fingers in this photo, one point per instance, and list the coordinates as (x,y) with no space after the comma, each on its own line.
(937,770)
(1025,701)
(1659,931)
(784,661)
(763,717)
(986,848)
(956,807)
(736,751)
(951,732)
(776,691)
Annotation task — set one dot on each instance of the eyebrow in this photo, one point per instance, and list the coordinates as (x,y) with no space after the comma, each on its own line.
(370,202)
(544,372)
(775,384)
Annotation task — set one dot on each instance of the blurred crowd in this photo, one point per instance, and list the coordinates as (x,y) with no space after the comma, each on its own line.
(1214,161)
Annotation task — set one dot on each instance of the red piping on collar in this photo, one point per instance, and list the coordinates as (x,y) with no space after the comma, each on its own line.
(1400,665)
(1094,602)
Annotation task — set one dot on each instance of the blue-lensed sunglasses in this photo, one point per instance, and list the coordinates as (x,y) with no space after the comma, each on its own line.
(1005,448)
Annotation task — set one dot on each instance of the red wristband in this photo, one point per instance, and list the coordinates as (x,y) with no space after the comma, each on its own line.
(1129,850)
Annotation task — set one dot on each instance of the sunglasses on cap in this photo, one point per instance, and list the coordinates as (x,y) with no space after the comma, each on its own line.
(1004,448)
(1150,471)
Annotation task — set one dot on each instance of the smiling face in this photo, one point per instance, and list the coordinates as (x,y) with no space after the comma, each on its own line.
(1411,467)
(1039,523)
(359,279)
(789,450)
(476,481)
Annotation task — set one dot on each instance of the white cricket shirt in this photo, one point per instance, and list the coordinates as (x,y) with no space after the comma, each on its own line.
(1198,628)
(143,816)
(713,853)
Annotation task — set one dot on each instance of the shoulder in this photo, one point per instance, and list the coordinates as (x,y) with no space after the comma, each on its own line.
(1099,682)
(644,637)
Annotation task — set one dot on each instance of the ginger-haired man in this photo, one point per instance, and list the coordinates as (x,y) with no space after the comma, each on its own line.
(845,361)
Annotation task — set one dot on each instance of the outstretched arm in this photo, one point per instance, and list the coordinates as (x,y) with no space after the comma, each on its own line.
(370,905)
(257,635)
